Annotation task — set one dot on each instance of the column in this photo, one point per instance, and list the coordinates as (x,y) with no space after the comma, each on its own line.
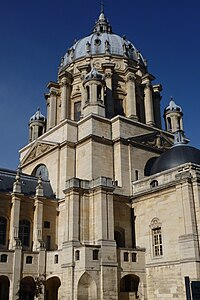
(14,221)
(148,103)
(157,97)
(108,69)
(131,111)
(37,224)
(63,99)
(52,108)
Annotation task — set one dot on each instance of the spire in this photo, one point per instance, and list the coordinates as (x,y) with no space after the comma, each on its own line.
(102,25)
(102,6)
(39,188)
(17,183)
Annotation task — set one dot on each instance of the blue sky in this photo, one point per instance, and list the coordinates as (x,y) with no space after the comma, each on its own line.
(36,34)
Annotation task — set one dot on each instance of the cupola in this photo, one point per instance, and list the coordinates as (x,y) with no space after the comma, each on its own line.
(94,84)
(173,117)
(37,124)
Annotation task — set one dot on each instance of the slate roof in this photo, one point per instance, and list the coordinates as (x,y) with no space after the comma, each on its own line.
(29,183)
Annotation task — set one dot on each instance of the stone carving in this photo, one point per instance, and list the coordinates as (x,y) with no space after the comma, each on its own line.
(155,223)
(154,140)
(39,149)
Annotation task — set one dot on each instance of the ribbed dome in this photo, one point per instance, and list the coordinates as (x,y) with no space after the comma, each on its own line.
(176,156)
(102,41)
(38,116)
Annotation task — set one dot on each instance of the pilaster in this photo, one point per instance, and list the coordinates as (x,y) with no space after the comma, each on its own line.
(131,111)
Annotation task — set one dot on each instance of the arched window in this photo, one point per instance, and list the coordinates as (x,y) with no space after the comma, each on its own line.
(119,236)
(24,232)
(41,170)
(77,111)
(169,124)
(29,260)
(154,183)
(3,225)
(88,92)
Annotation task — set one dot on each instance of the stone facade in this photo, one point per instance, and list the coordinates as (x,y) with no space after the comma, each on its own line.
(90,221)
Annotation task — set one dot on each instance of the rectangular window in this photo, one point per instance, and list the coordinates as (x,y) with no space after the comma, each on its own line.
(95,254)
(46,224)
(157,242)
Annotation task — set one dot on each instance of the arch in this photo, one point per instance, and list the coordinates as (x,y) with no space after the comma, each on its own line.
(51,288)
(27,288)
(87,289)
(119,236)
(4,287)
(24,232)
(41,170)
(129,284)
(154,183)
(3,228)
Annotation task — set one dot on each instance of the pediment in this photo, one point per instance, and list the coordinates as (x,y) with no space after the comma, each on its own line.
(37,150)
(155,140)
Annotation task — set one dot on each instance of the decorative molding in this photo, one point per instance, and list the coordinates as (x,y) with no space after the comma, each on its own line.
(38,149)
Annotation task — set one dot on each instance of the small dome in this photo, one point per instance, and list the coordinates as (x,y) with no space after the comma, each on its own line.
(173,106)
(179,154)
(38,116)
(94,74)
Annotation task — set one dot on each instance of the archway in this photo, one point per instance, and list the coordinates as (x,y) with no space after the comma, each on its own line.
(51,288)
(119,236)
(129,287)
(4,287)
(87,289)
(27,289)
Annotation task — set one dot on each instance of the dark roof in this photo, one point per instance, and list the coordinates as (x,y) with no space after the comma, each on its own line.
(176,156)
(28,183)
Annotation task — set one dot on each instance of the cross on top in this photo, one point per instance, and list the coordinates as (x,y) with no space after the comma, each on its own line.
(102,6)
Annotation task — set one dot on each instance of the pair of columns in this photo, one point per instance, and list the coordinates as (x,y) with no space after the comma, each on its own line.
(14,222)
(131,102)
(64,89)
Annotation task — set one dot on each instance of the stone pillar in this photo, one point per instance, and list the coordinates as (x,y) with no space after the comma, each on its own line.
(47,96)
(83,70)
(52,108)
(156,99)
(108,70)
(65,98)
(37,224)
(131,111)
(14,221)
(15,283)
(148,104)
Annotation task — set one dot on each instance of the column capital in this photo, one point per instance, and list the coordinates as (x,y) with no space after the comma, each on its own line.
(131,77)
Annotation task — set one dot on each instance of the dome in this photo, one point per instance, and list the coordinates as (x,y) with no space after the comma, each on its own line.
(179,154)
(38,116)
(173,107)
(102,41)
(94,74)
